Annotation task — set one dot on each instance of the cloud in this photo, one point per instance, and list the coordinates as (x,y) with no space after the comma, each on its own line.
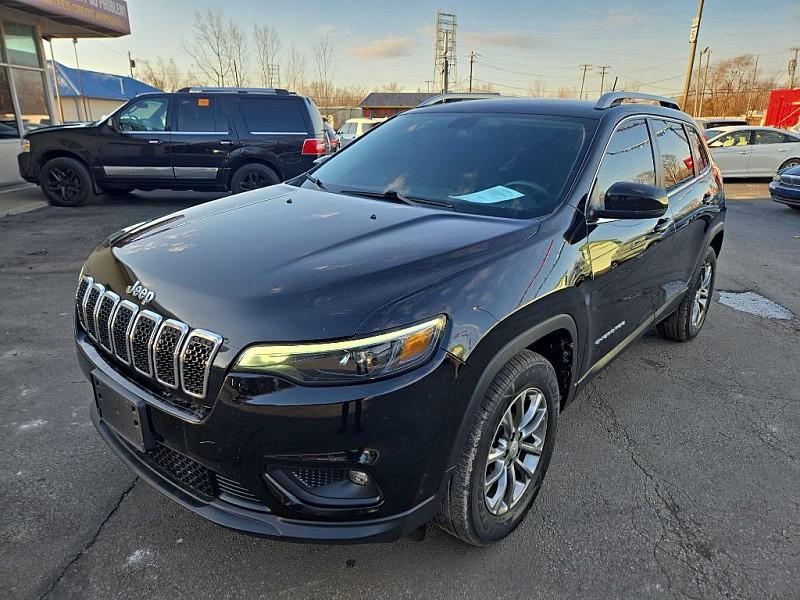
(501,38)
(387,47)
(614,19)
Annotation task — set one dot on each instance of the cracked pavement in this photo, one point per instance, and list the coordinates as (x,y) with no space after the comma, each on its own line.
(676,473)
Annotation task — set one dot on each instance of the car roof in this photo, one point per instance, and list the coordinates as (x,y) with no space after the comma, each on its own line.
(360,120)
(585,109)
(730,128)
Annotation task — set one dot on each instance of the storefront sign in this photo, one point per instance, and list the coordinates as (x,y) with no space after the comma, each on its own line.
(108,14)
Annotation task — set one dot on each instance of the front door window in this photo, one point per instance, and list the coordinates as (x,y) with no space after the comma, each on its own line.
(146,114)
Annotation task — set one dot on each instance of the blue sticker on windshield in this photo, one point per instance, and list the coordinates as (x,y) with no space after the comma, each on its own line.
(498,193)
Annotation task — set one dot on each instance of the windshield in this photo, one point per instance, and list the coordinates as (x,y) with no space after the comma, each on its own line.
(508,165)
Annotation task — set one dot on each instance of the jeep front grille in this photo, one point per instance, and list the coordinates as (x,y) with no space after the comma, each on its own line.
(167,351)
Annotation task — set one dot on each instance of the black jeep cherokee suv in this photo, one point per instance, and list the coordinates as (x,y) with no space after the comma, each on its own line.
(389,338)
(196,139)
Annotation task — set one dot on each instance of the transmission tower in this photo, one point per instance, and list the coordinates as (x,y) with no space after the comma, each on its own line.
(444,49)
(274,75)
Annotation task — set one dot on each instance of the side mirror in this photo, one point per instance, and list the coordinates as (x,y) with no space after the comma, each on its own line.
(628,200)
(112,123)
(322,159)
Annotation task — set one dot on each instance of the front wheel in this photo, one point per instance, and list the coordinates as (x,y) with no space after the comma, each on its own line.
(506,454)
(251,177)
(65,181)
(686,322)
(792,162)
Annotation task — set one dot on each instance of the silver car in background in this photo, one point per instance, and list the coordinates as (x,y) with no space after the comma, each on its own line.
(753,151)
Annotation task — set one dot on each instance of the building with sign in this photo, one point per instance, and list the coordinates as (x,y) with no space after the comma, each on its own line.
(26,91)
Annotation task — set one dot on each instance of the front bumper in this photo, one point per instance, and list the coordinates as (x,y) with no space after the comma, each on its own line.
(27,167)
(784,194)
(260,431)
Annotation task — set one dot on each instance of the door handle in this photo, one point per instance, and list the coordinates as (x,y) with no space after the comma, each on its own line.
(743,152)
(781,149)
(155,142)
(225,142)
(661,226)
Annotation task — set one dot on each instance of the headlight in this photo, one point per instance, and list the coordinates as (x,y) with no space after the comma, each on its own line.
(26,145)
(776,178)
(349,361)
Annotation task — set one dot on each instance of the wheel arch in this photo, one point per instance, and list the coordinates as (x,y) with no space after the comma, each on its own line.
(49,155)
(555,338)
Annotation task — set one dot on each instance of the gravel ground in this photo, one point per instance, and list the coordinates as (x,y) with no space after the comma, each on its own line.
(677,472)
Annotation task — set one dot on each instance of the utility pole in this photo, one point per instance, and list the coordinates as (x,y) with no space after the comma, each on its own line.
(692,50)
(472,56)
(752,87)
(446,65)
(705,82)
(603,70)
(699,79)
(131,63)
(583,79)
(86,114)
(793,66)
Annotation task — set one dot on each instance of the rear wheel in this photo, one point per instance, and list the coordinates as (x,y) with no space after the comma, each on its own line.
(686,322)
(506,454)
(65,182)
(251,177)
(792,162)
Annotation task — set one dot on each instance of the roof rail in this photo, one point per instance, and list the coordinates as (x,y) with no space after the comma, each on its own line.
(610,99)
(232,90)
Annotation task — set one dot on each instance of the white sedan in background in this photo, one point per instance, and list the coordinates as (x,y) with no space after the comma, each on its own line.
(753,151)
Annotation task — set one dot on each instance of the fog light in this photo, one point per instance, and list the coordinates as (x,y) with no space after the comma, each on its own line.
(359,477)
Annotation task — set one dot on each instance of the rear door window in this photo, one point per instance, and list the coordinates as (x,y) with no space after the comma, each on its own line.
(201,115)
(273,115)
(699,150)
(772,137)
(676,156)
(629,158)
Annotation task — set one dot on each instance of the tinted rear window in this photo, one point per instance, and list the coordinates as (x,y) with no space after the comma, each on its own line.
(676,157)
(273,115)
(201,114)
(498,164)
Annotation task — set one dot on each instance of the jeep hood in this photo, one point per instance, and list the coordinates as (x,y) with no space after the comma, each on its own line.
(289,264)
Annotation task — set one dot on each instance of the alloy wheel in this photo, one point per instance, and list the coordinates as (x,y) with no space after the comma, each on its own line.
(252,181)
(702,296)
(515,451)
(64,182)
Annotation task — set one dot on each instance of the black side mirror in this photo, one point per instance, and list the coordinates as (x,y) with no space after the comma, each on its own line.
(112,122)
(629,200)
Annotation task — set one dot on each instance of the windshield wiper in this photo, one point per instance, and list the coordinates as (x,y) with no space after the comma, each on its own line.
(316,182)
(395,196)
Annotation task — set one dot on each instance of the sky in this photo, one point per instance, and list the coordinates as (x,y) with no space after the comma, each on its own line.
(521,45)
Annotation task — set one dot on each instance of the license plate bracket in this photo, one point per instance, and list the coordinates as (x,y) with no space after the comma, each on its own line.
(125,413)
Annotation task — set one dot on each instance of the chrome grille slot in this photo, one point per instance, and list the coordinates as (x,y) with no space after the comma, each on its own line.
(141,340)
(88,308)
(195,362)
(120,329)
(102,318)
(166,350)
(80,298)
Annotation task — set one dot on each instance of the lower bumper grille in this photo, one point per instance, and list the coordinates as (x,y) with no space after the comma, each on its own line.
(317,478)
(194,477)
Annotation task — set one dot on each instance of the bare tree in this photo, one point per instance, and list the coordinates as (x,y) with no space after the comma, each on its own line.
(323,60)
(296,71)
(392,86)
(236,51)
(208,48)
(268,47)
(165,74)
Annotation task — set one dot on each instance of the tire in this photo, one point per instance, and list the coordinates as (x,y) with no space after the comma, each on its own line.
(465,507)
(682,325)
(792,162)
(66,182)
(253,176)
(795,207)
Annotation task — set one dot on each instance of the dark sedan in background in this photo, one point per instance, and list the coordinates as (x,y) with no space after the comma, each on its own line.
(785,187)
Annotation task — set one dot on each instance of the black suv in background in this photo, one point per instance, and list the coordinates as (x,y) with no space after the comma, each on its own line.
(196,139)
(390,337)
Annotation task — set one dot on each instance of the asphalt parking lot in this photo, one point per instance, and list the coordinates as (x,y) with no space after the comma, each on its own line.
(677,472)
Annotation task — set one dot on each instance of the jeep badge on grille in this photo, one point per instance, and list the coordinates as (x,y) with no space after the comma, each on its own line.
(142,293)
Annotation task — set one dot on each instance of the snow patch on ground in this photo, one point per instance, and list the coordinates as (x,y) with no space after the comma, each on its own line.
(35,424)
(139,556)
(755,304)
